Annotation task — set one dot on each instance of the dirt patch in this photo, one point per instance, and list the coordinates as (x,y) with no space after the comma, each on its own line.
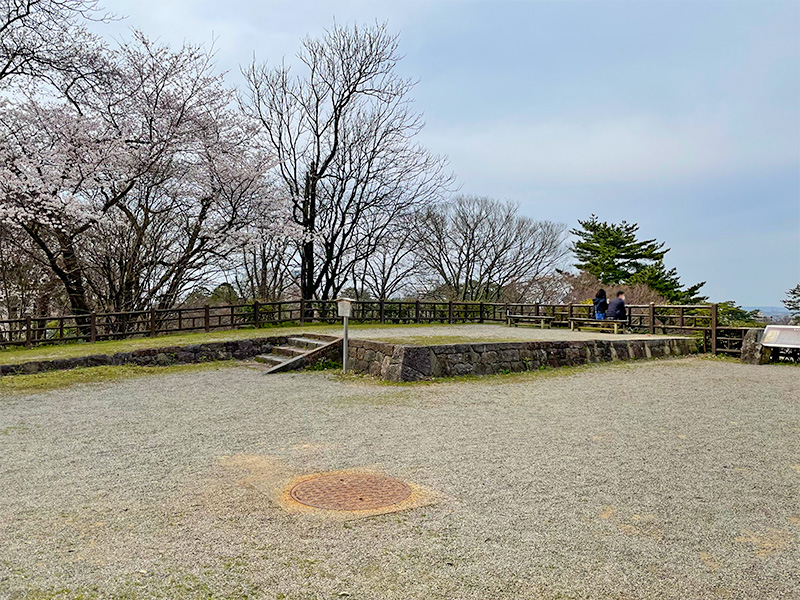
(246,484)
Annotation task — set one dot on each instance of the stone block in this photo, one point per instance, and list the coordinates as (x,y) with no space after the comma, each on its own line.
(30,367)
(97,360)
(753,353)
(417,359)
(509,354)
(186,357)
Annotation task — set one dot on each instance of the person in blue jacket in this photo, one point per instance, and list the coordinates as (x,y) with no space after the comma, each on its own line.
(600,305)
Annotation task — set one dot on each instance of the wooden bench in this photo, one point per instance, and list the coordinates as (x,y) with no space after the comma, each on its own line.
(542,320)
(617,325)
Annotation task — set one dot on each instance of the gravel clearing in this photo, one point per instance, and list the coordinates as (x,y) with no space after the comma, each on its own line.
(674,479)
(483,333)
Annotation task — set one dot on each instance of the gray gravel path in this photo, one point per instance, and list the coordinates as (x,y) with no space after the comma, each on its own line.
(668,479)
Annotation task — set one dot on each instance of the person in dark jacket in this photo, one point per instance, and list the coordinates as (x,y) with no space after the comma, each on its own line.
(616,308)
(600,305)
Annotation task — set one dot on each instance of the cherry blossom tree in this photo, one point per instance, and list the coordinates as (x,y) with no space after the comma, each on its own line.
(130,197)
(47,41)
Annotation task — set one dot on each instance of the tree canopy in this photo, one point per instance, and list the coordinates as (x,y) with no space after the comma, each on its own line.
(614,254)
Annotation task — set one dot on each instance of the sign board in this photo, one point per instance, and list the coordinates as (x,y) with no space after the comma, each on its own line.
(781,336)
(345,306)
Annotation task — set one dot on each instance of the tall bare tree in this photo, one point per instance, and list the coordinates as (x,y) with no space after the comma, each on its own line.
(483,249)
(343,135)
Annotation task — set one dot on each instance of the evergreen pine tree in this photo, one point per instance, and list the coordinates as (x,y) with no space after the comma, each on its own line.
(613,254)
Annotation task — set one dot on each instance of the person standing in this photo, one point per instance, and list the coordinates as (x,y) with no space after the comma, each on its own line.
(600,305)
(616,308)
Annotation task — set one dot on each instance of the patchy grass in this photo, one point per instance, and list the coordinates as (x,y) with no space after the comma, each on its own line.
(441,340)
(15,355)
(54,380)
(324,364)
(18,355)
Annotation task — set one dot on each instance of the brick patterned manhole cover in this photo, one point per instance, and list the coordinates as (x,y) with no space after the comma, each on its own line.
(350,491)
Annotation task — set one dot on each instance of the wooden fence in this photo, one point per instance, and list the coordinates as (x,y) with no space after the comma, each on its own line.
(701,320)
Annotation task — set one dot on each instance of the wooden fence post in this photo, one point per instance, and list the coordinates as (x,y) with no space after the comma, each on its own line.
(652,317)
(93,327)
(480,312)
(382,311)
(569,311)
(152,322)
(681,316)
(450,312)
(255,313)
(302,311)
(416,311)
(28,332)
(207,317)
(714,325)
(536,309)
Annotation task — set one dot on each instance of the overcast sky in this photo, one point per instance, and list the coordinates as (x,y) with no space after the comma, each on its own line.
(681,116)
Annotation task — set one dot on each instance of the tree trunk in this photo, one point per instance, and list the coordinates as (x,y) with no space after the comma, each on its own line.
(72,278)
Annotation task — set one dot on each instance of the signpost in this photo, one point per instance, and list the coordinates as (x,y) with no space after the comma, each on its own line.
(345,307)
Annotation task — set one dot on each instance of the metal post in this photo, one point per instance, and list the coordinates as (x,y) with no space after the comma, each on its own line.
(345,346)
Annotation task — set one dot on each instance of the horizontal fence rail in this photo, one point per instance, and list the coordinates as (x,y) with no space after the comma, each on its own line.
(700,320)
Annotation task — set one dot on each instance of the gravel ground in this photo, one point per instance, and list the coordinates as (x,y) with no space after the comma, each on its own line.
(673,479)
(484,333)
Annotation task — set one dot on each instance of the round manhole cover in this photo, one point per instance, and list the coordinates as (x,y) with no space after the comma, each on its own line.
(350,491)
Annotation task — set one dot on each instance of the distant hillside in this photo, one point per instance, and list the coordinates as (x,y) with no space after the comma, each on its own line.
(769,311)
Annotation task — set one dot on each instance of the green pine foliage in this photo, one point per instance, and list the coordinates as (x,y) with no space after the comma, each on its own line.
(792,301)
(731,314)
(613,253)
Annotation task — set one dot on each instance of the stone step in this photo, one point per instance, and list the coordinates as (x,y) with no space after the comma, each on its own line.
(305,342)
(270,359)
(290,351)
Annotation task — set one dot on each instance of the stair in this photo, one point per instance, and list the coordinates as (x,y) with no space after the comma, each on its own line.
(297,352)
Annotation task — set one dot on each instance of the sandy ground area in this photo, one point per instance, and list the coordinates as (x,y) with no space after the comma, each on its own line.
(675,479)
(482,333)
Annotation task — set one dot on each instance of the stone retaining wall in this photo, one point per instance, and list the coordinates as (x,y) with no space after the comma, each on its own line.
(412,363)
(169,355)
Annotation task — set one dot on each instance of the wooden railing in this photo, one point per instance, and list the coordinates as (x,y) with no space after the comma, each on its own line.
(701,320)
